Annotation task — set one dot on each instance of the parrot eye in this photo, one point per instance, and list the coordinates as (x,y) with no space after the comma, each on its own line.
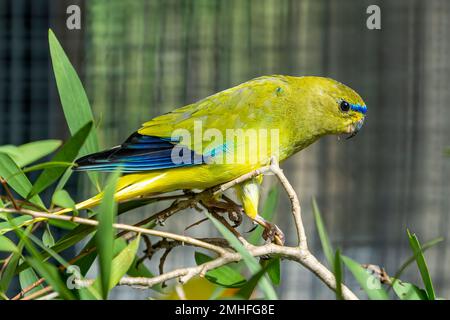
(344,106)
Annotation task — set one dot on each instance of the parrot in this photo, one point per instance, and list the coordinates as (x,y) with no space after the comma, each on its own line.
(292,112)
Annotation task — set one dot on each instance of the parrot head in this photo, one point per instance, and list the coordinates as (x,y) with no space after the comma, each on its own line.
(327,106)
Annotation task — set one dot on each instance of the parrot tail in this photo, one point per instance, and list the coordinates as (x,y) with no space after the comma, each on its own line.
(128,187)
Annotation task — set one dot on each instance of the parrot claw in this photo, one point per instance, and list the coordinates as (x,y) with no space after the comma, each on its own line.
(236,216)
(273,234)
(234,210)
(271,231)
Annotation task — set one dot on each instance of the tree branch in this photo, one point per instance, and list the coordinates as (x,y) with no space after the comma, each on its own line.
(299,253)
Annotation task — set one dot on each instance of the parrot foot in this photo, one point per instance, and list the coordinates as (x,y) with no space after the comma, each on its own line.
(271,231)
(234,210)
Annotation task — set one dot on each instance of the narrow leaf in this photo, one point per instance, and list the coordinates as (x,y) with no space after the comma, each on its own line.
(249,260)
(338,274)
(63,199)
(52,277)
(45,269)
(370,283)
(67,154)
(7,245)
(14,222)
(73,97)
(326,245)
(123,261)
(47,165)
(422,265)
(26,278)
(224,276)
(9,271)
(28,153)
(105,232)
(273,270)
(408,291)
(246,291)
(412,259)
(47,237)
(120,265)
(19,182)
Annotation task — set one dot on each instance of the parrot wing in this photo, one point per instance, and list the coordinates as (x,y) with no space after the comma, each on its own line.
(137,154)
(152,146)
(245,106)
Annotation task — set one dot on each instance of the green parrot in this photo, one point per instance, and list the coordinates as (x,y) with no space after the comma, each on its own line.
(166,154)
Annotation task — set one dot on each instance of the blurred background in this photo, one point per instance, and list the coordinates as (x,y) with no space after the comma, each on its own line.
(138,59)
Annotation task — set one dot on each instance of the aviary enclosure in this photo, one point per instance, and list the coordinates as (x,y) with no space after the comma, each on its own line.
(332,218)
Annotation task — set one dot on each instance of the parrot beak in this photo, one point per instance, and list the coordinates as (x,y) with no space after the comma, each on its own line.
(354,128)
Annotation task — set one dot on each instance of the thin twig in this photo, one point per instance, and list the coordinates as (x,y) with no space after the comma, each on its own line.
(38,293)
(296,209)
(24,291)
(8,193)
(119,226)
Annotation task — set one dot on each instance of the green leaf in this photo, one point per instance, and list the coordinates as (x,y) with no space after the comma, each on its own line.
(338,274)
(47,237)
(274,269)
(30,152)
(224,276)
(422,265)
(7,245)
(8,273)
(123,261)
(75,103)
(26,278)
(326,244)
(408,291)
(268,211)
(370,283)
(87,259)
(61,224)
(67,154)
(105,232)
(19,182)
(63,181)
(120,264)
(46,165)
(249,260)
(140,270)
(51,269)
(46,270)
(412,259)
(52,277)
(14,222)
(246,291)
(63,199)
(90,249)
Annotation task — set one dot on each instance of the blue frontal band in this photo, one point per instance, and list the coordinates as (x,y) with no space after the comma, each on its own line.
(358,108)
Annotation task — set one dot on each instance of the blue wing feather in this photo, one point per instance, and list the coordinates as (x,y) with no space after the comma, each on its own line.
(139,153)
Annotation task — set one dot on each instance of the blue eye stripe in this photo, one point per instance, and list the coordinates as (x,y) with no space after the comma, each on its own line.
(359,108)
